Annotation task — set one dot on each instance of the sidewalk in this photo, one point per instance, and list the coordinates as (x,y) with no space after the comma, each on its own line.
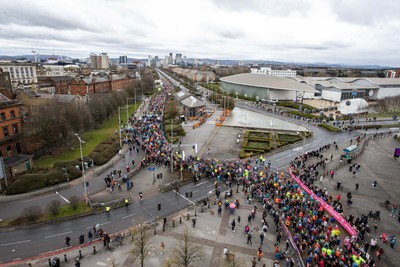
(212,233)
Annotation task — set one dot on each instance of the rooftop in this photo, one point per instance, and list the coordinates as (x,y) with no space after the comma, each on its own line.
(268,81)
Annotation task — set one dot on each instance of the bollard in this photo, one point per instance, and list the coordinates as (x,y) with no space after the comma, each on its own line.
(208,206)
(159,205)
(65,258)
(80,254)
(94,249)
(180,220)
(30,264)
(187,217)
(195,213)
(186,194)
(201,210)
(49,262)
(173,223)
(155,231)
(191,194)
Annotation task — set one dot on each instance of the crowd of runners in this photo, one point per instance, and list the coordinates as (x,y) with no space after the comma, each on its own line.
(316,234)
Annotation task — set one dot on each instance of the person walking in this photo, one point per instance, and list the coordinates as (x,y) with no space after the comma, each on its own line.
(262,235)
(81,239)
(108,208)
(379,253)
(67,241)
(126,202)
(194,222)
(259,253)
(219,211)
(233,223)
(392,241)
(249,237)
(162,246)
(357,185)
(253,262)
(90,236)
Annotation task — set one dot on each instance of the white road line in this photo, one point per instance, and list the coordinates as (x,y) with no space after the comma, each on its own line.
(15,243)
(201,183)
(196,191)
(128,215)
(188,199)
(211,185)
(50,236)
(90,227)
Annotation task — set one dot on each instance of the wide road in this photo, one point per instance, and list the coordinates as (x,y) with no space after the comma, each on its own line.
(32,241)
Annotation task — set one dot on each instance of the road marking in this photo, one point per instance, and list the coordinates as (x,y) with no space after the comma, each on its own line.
(15,243)
(201,183)
(211,185)
(128,215)
(90,227)
(196,191)
(50,236)
(187,199)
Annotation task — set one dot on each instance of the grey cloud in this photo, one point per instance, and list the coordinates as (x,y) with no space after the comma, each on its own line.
(366,12)
(267,7)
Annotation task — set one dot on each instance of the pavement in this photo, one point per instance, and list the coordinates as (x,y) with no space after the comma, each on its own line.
(213,232)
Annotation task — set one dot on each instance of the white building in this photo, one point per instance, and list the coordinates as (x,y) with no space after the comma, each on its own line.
(278,73)
(54,70)
(343,88)
(23,74)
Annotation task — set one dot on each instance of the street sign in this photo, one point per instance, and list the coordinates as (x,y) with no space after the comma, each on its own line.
(152,169)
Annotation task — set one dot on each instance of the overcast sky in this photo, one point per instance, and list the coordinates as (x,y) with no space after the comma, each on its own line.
(332,31)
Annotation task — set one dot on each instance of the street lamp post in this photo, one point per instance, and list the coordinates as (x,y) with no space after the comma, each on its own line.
(83,168)
(127,107)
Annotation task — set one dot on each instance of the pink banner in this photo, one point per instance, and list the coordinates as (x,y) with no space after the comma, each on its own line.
(328,208)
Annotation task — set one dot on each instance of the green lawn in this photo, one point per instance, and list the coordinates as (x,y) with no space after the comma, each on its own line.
(92,139)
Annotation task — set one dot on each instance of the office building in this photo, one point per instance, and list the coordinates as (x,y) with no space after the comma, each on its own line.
(278,73)
(100,61)
(123,59)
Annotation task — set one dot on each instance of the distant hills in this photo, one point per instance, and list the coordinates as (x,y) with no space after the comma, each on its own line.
(226,62)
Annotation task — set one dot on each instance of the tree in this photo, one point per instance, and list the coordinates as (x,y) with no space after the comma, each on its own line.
(142,246)
(186,252)
(233,261)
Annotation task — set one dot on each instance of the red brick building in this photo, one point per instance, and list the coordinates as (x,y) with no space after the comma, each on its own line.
(11,135)
(81,87)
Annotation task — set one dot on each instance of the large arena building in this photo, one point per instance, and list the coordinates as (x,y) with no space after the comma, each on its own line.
(262,86)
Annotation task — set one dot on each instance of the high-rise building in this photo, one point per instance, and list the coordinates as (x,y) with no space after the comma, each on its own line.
(123,59)
(178,59)
(170,59)
(100,61)
(149,61)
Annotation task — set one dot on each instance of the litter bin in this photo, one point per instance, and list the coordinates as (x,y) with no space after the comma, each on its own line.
(55,262)
(86,165)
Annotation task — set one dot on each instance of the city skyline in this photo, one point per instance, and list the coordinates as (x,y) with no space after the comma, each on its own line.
(345,32)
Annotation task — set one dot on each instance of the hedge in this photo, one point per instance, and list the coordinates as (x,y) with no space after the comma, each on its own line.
(290,104)
(329,127)
(39,178)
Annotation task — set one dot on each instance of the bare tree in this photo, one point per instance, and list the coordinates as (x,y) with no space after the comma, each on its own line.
(186,252)
(232,260)
(142,246)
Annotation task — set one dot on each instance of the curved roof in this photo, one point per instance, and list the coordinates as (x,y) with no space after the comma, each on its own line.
(343,85)
(268,81)
(353,106)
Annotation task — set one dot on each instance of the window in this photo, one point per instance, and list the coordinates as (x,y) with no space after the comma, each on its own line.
(15,128)
(3,116)
(12,113)
(5,131)
(18,147)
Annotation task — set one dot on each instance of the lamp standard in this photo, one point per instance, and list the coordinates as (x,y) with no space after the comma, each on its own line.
(83,169)
(127,106)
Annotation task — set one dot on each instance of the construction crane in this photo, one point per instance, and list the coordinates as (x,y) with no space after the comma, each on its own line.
(36,49)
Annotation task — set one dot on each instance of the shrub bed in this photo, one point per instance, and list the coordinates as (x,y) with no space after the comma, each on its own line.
(329,127)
